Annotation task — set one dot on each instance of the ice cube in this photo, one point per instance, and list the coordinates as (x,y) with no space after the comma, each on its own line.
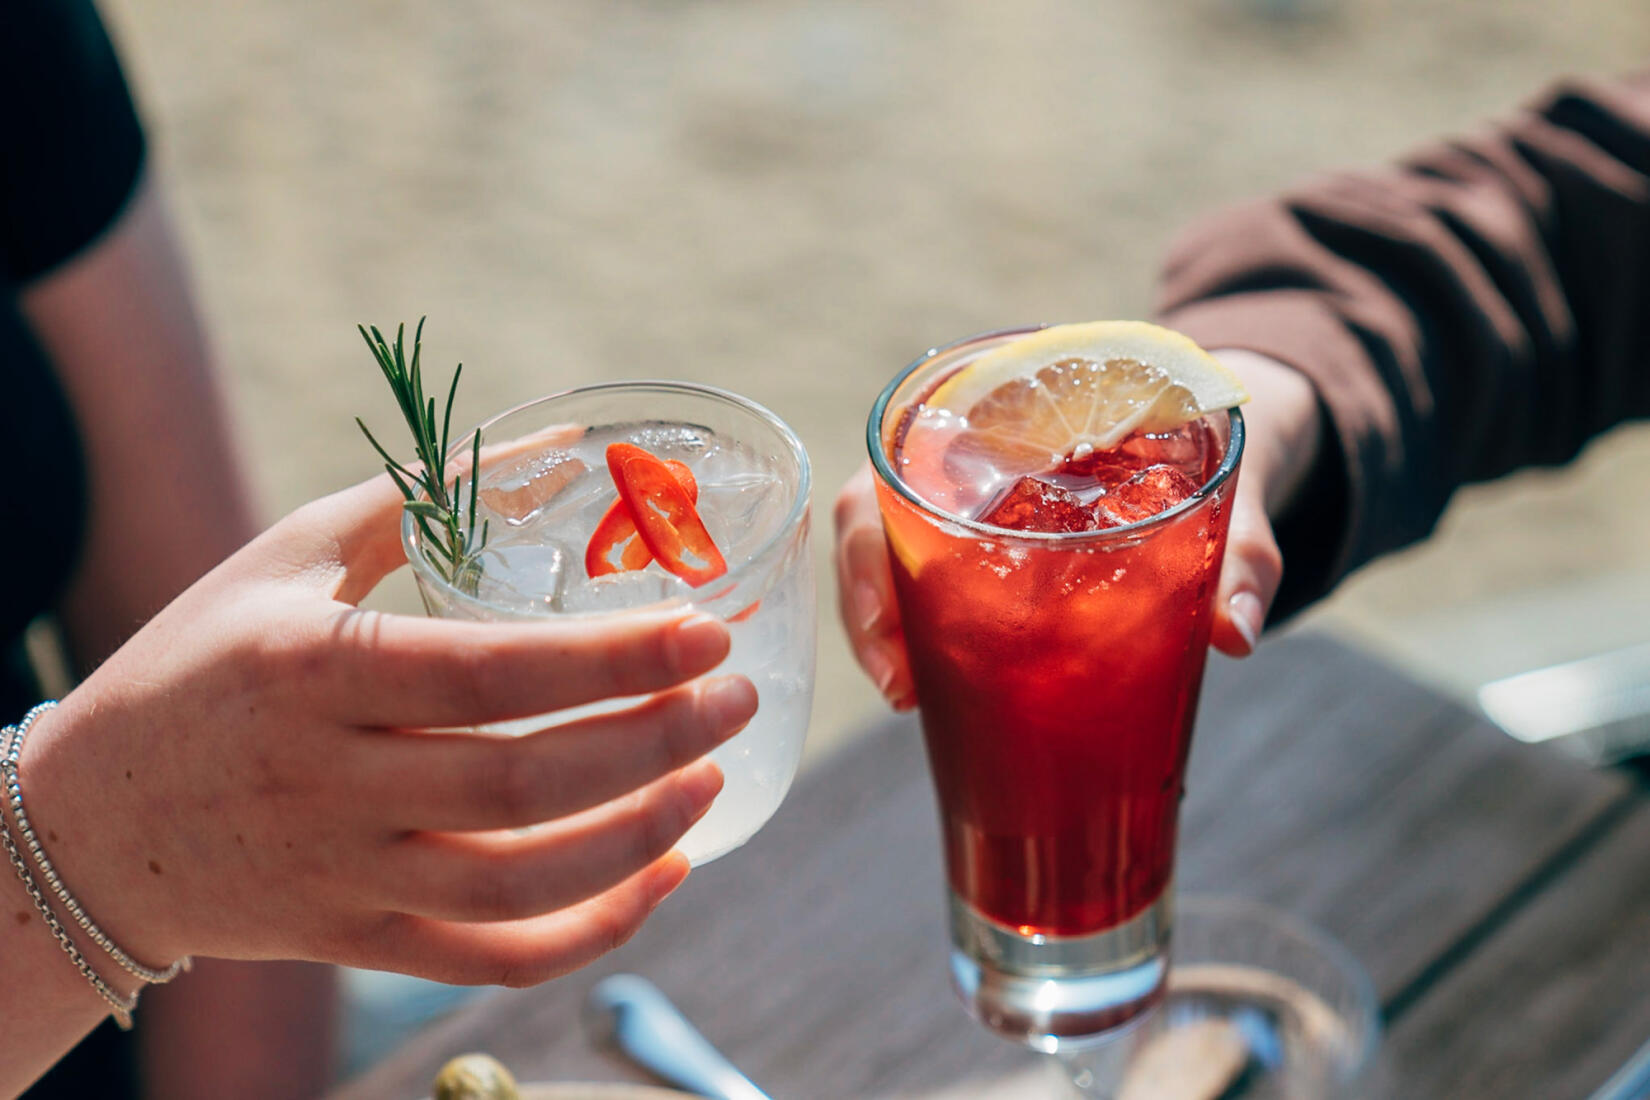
(524,576)
(741,513)
(1186,448)
(741,500)
(683,442)
(975,467)
(616,591)
(516,490)
(1154,489)
(1032,504)
(1107,467)
(1092,476)
(724,461)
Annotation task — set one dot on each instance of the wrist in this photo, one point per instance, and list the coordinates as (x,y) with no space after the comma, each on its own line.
(77,839)
(69,988)
(48,1007)
(1285,432)
(34,959)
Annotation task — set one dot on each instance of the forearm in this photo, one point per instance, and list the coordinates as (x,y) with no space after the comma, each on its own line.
(166,503)
(1472,310)
(47,1006)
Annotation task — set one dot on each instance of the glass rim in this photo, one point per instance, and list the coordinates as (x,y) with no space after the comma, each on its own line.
(1346,965)
(885,471)
(723,585)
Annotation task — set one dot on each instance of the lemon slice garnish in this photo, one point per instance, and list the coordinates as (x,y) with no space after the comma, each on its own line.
(1086,386)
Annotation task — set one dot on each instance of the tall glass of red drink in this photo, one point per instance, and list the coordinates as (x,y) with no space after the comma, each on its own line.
(1057,662)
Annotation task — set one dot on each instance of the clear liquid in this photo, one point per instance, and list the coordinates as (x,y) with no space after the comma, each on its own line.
(542,508)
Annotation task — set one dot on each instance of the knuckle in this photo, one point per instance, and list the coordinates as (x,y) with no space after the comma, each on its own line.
(654,659)
(843,510)
(684,722)
(491,893)
(1266,554)
(673,731)
(518,968)
(470,677)
(864,551)
(625,663)
(501,786)
(513,976)
(504,968)
(292,657)
(612,930)
(657,828)
(370,940)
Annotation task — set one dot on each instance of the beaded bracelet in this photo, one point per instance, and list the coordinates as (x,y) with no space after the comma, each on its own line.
(122,1006)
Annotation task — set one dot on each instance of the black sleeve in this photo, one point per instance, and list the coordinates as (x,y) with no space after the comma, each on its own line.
(71,147)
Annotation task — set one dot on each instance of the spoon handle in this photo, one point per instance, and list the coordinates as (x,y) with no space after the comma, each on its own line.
(630,1013)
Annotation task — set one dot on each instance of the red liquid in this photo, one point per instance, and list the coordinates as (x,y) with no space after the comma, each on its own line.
(1058,683)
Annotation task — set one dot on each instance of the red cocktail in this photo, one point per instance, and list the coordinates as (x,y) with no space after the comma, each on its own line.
(1057,609)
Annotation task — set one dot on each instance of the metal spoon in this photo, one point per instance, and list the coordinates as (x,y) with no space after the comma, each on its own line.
(1631,1081)
(629,1013)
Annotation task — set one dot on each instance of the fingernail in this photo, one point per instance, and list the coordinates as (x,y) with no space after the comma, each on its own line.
(1248,616)
(880,667)
(701,781)
(668,874)
(696,644)
(867,605)
(729,701)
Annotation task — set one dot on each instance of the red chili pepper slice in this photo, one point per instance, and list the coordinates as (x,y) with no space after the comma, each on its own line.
(664,515)
(684,478)
(636,555)
(617,526)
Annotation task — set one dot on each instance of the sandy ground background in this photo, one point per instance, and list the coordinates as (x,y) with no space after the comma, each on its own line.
(792,199)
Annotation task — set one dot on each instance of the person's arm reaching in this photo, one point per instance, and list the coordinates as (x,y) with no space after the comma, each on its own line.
(1479,307)
(253,776)
(91,268)
(166,502)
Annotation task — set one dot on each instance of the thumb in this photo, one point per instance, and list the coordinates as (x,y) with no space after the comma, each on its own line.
(346,542)
(353,537)
(1249,576)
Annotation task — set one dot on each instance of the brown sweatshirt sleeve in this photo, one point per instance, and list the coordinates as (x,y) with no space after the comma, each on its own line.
(1478,307)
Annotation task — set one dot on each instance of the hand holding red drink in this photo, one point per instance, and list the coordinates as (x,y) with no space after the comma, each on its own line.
(1283,438)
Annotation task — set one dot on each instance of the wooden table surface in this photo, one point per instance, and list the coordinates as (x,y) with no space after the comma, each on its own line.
(1498,894)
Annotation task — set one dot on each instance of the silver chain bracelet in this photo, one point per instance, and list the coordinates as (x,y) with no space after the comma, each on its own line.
(122,1006)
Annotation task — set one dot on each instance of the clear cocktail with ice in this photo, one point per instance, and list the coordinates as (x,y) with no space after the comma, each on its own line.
(545,488)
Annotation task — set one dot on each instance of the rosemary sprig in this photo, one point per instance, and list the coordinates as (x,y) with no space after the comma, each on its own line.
(451,540)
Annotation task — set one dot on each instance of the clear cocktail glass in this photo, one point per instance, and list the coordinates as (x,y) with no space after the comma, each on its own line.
(544,486)
(1058,677)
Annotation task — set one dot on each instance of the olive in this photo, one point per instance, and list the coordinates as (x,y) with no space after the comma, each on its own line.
(475,1077)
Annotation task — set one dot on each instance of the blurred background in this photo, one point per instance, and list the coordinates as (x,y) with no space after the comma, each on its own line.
(794,198)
